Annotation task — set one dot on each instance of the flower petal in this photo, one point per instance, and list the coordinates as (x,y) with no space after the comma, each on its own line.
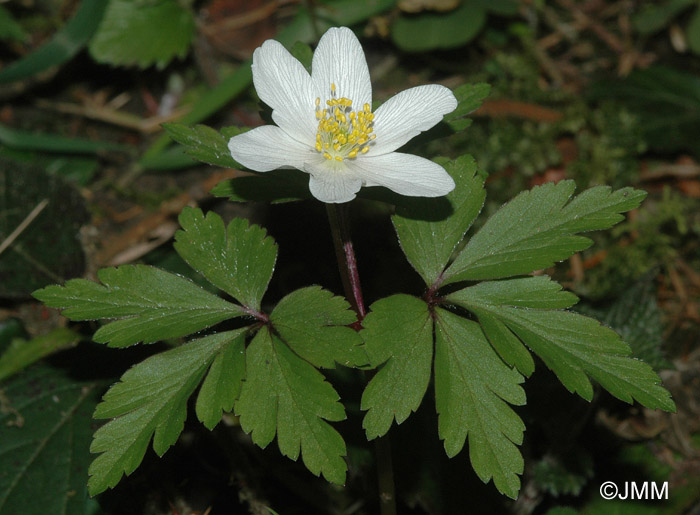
(332,182)
(405,174)
(283,83)
(268,148)
(340,60)
(409,113)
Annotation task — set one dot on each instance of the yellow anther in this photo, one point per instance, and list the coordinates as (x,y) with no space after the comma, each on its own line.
(342,133)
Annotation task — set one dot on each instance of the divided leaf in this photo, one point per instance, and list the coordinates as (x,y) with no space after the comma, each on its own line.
(573,346)
(399,331)
(204,143)
(314,323)
(429,229)
(284,394)
(276,186)
(151,304)
(238,259)
(472,389)
(538,228)
(223,383)
(151,400)
(470,98)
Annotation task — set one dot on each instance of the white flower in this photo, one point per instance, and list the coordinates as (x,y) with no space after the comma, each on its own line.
(325,125)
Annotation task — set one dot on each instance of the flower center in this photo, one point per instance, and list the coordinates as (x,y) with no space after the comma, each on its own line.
(343,132)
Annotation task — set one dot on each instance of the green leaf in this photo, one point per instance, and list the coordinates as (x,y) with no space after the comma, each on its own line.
(45,431)
(149,401)
(143,32)
(665,101)
(282,393)
(654,16)
(204,143)
(564,475)
(314,323)
(502,7)
(506,343)
(469,98)
(23,353)
(636,317)
(63,46)
(151,304)
(238,259)
(531,292)
(347,12)
(472,389)
(10,30)
(275,186)
(399,331)
(575,347)
(429,229)
(538,292)
(223,383)
(693,31)
(26,140)
(438,30)
(303,53)
(538,228)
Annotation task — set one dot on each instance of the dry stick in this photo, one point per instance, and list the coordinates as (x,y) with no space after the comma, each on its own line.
(22,226)
(347,265)
(114,116)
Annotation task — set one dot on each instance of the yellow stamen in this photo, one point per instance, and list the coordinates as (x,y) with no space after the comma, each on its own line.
(343,133)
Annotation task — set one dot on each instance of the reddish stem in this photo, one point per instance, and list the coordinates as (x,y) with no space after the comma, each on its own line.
(262,317)
(347,265)
(345,254)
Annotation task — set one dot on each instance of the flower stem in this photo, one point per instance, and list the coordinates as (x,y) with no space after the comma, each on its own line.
(345,254)
(385,475)
(347,265)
